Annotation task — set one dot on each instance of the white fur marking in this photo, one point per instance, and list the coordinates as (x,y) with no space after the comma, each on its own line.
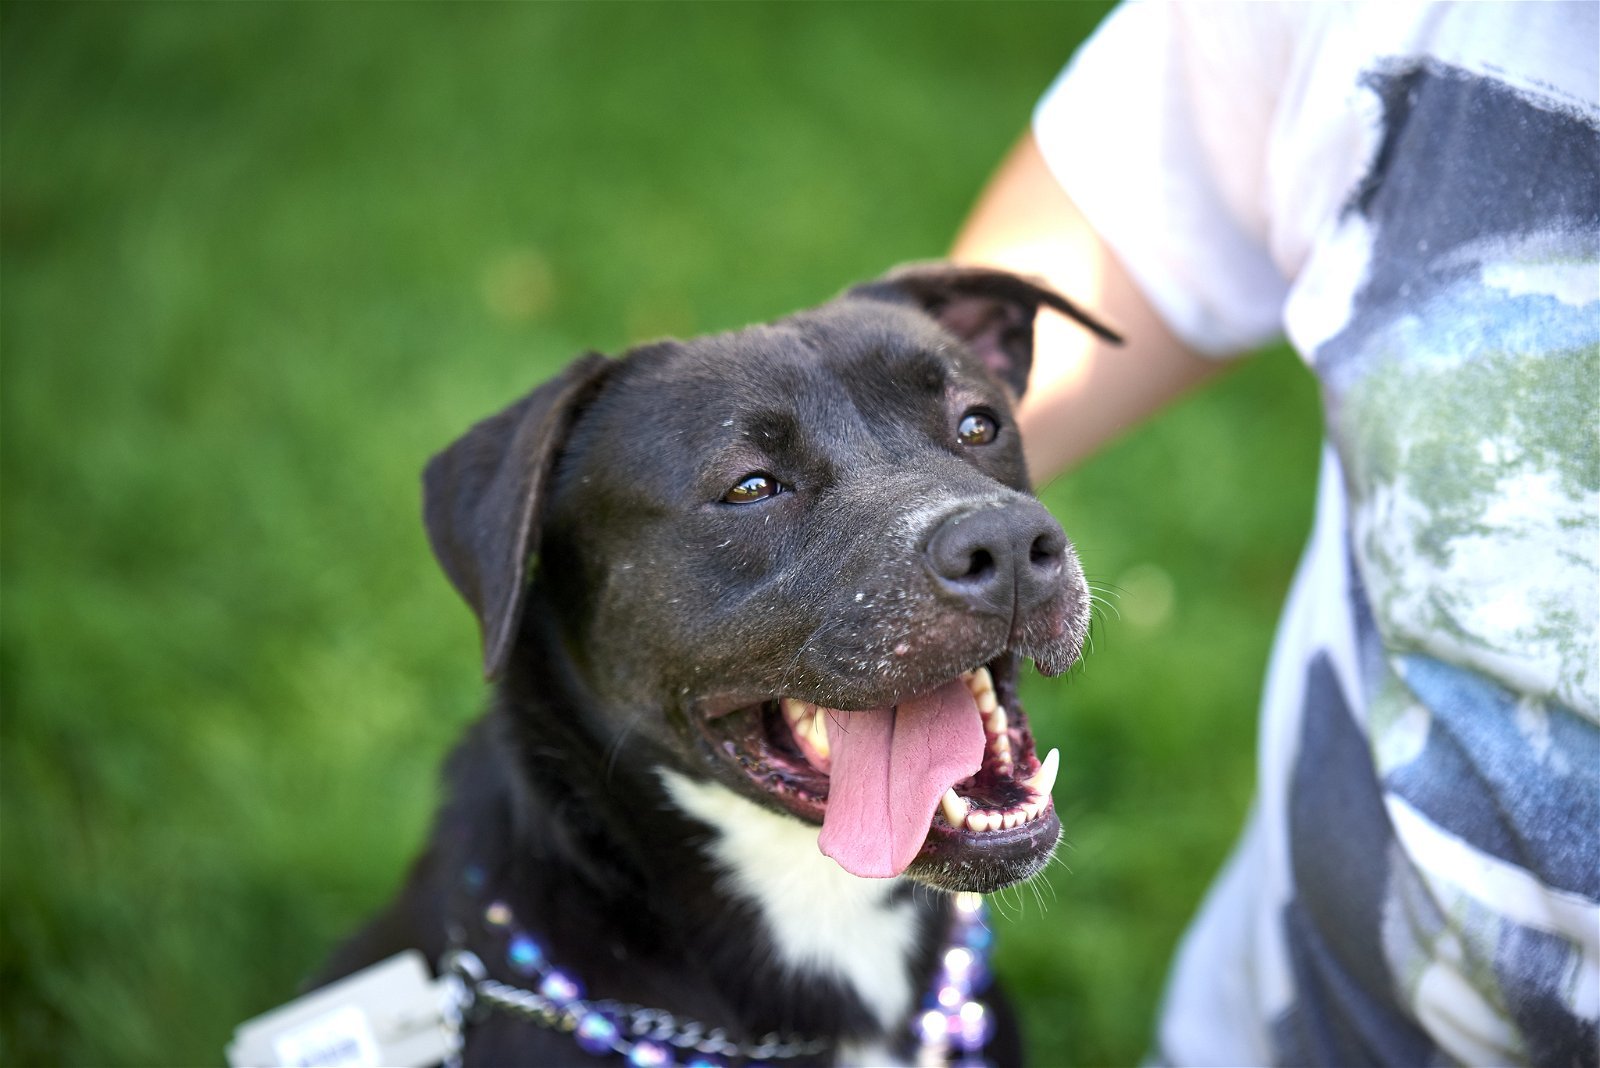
(823,920)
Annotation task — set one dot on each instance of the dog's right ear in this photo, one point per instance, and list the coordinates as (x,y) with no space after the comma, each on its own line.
(482,496)
(990,309)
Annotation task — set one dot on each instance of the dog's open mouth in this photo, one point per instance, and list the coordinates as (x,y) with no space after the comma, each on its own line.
(944,784)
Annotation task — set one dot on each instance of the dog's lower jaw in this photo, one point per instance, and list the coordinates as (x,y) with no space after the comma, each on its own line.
(824,922)
(1025,853)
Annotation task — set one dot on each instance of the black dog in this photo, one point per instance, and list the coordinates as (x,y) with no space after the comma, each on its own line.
(732,590)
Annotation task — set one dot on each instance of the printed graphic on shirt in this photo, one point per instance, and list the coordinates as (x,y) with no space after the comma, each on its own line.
(1462,394)
(1333,930)
(1496,809)
(1462,390)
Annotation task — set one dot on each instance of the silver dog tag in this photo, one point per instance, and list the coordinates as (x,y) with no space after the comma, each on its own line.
(393,1014)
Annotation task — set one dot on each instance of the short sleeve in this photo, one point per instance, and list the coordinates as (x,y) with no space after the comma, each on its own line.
(1157,130)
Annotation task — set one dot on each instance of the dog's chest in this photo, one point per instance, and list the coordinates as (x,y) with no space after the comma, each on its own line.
(823,921)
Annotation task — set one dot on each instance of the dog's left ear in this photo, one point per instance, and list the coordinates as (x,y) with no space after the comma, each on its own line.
(482,497)
(991,310)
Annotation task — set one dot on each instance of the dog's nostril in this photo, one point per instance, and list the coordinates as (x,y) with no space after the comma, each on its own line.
(1046,551)
(999,559)
(981,565)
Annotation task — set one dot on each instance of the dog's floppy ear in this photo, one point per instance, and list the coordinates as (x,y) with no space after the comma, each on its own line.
(481,500)
(991,310)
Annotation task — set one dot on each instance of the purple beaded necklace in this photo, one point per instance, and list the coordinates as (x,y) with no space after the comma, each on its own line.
(952,1021)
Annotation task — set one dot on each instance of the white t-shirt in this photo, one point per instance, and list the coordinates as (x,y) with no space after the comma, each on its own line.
(1410,193)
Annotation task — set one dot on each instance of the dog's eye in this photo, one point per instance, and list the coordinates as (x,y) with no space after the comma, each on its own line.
(756,487)
(977,427)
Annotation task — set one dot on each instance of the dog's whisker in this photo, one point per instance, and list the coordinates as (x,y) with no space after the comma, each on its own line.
(804,647)
(1048,886)
(1109,605)
(1038,895)
(1011,896)
(615,748)
(1039,490)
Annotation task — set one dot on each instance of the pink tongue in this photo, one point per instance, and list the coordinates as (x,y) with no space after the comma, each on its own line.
(888,769)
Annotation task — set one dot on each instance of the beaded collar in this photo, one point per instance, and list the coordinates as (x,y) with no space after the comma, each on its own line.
(952,1020)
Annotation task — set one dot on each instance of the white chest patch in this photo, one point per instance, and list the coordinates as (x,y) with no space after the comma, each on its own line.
(823,920)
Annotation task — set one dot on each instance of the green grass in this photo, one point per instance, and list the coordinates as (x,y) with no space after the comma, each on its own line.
(258,261)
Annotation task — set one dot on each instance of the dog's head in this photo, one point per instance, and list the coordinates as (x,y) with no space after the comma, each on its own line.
(801,559)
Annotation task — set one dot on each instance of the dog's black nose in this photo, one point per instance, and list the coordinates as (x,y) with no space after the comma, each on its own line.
(1002,560)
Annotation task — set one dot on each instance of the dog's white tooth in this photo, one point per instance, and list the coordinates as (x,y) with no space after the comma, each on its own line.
(988,704)
(793,709)
(1043,781)
(999,740)
(1011,819)
(998,722)
(978,821)
(954,807)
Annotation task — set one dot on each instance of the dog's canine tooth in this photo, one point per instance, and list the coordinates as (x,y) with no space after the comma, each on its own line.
(1043,781)
(806,723)
(794,710)
(817,732)
(954,807)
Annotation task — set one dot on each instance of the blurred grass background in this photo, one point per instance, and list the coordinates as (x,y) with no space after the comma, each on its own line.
(258,261)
